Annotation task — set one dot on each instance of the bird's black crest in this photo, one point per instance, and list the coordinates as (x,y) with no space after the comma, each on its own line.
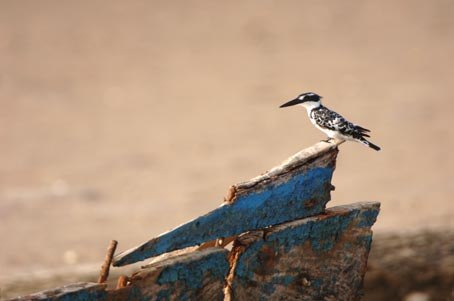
(310,96)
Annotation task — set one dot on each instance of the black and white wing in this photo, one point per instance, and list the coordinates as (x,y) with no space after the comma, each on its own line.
(327,119)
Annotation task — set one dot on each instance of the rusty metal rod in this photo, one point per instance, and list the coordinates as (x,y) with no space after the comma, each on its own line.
(122,281)
(107,262)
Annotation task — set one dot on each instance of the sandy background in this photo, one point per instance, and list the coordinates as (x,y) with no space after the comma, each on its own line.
(124,119)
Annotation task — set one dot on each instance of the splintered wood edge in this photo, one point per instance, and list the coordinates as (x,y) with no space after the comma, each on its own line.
(252,236)
(84,288)
(190,256)
(172,254)
(329,212)
(295,161)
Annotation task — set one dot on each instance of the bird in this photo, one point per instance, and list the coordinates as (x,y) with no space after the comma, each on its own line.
(331,123)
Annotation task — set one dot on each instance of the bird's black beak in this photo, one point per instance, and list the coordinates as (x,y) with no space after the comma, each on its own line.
(292,103)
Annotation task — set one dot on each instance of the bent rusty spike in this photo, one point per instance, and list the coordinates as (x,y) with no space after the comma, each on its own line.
(298,188)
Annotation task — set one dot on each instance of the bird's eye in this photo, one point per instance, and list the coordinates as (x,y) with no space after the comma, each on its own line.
(301,97)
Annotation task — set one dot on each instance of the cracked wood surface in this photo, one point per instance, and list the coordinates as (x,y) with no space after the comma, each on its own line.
(297,188)
(199,275)
(316,258)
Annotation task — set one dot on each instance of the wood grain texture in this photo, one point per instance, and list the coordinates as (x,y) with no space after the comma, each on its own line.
(73,292)
(297,188)
(323,257)
(317,258)
(199,275)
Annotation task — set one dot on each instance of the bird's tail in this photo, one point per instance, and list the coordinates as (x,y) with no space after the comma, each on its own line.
(369,144)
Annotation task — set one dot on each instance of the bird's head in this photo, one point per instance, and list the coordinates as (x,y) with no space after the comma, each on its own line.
(305,99)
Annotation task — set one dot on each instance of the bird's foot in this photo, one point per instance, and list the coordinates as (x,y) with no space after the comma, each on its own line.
(329,140)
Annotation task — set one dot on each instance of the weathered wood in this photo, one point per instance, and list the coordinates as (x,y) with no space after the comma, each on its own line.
(290,249)
(199,275)
(316,258)
(74,292)
(104,273)
(297,188)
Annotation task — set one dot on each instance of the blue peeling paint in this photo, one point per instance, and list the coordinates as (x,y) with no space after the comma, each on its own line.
(164,295)
(284,280)
(136,294)
(185,277)
(303,195)
(191,274)
(317,283)
(268,288)
(321,234)
(365,240)
(324,233)
(82,295)
(368,218)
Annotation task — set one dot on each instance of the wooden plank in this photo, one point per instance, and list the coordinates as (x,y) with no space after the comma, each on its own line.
(199,275)
(75,292)
(297,188)
(316,258)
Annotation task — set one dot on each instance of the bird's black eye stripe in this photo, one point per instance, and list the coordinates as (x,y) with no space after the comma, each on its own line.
(311,97)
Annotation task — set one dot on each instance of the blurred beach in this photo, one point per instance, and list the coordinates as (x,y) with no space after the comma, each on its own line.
(121,120)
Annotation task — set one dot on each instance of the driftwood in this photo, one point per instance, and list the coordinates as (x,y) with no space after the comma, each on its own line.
(297,188)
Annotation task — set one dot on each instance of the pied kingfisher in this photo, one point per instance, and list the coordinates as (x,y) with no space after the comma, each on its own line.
(329,122)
